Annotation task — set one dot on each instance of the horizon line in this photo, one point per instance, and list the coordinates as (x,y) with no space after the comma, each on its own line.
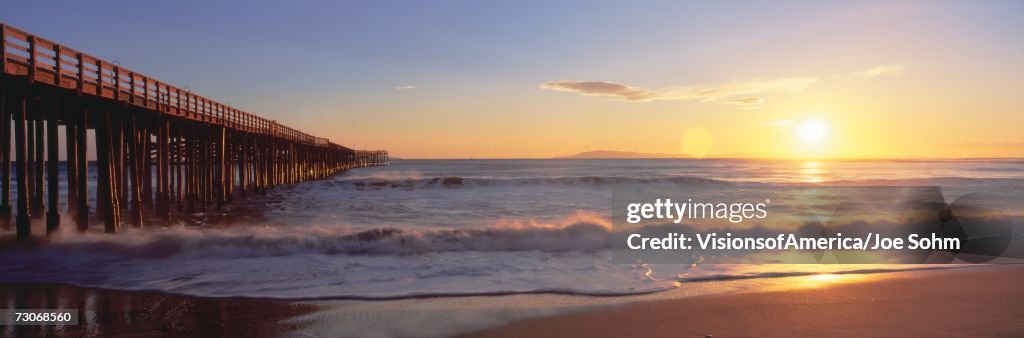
(718,158)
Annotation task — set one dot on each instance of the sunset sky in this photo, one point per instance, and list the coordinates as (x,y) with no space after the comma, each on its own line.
(484,79)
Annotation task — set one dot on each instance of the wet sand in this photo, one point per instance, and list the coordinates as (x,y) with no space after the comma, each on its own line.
(975,301)
(985,302)
(148,314)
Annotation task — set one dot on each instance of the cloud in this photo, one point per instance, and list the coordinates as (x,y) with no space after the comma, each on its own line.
(600,88)
(882,70)
(722,91)
(745,101)
(717,92)
(405,87)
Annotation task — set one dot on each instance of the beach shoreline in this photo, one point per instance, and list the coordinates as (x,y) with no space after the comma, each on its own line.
(977,301)
(981,302)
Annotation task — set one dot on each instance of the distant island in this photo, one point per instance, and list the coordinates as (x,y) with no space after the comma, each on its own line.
(621,154)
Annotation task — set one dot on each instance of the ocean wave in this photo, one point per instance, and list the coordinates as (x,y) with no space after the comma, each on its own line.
(580,232)
(412,183)
(924,181)
(784,274)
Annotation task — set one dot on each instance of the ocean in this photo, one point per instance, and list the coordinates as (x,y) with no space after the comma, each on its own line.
(421,228)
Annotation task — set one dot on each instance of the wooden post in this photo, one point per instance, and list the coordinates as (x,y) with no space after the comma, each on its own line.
(162,209)
(102,165)
(243,145)
(291,163)
(121,179)
(199,154)
(23,227)
(37,204)
(118,187)
(190,173)
(262,169)
(221,167)
(107,192)
(52,215)
(82,183)
(255,168)
(30,160)
(179,168)
(5,156)
(147,165)
(256,165)
(229,166)
(135,168)
(271,164)
(172,167)
(206,167)
(71,162)
(101,150)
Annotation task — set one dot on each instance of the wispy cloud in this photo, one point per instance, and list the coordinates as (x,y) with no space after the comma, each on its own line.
(882,70)
(601,88)
(722,91)
(405,87)
(745,101)
(716,92)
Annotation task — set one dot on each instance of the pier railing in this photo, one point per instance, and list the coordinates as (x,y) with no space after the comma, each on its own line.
(45,61)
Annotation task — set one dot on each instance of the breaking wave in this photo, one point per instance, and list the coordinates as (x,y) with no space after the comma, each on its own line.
(415,182)
(377,183)
(581,232)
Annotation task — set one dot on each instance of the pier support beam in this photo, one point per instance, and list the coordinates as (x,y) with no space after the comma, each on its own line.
(146,143)
(243,166)
(107,191)
(22,224)
(5,157)
(117,129)
(82,166)
(136,154)
(37,196)
(190,172)
(71,162)
(52,215)
(221,171)
(30,159)
(163,187)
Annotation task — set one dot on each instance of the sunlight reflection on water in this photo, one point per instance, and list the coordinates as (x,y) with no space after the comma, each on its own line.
(812,172)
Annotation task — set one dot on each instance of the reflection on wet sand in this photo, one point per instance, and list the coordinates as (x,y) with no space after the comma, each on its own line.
(827,279)
(114,313)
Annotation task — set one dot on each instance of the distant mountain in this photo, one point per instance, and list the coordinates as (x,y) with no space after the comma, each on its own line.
(621,154)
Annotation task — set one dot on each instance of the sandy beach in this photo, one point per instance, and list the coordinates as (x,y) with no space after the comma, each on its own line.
(973,301)
(952,303)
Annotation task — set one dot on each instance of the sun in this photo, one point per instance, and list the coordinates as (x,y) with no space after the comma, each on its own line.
(812,132)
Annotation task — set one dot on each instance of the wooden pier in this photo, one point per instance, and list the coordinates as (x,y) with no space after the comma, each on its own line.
(158,147)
